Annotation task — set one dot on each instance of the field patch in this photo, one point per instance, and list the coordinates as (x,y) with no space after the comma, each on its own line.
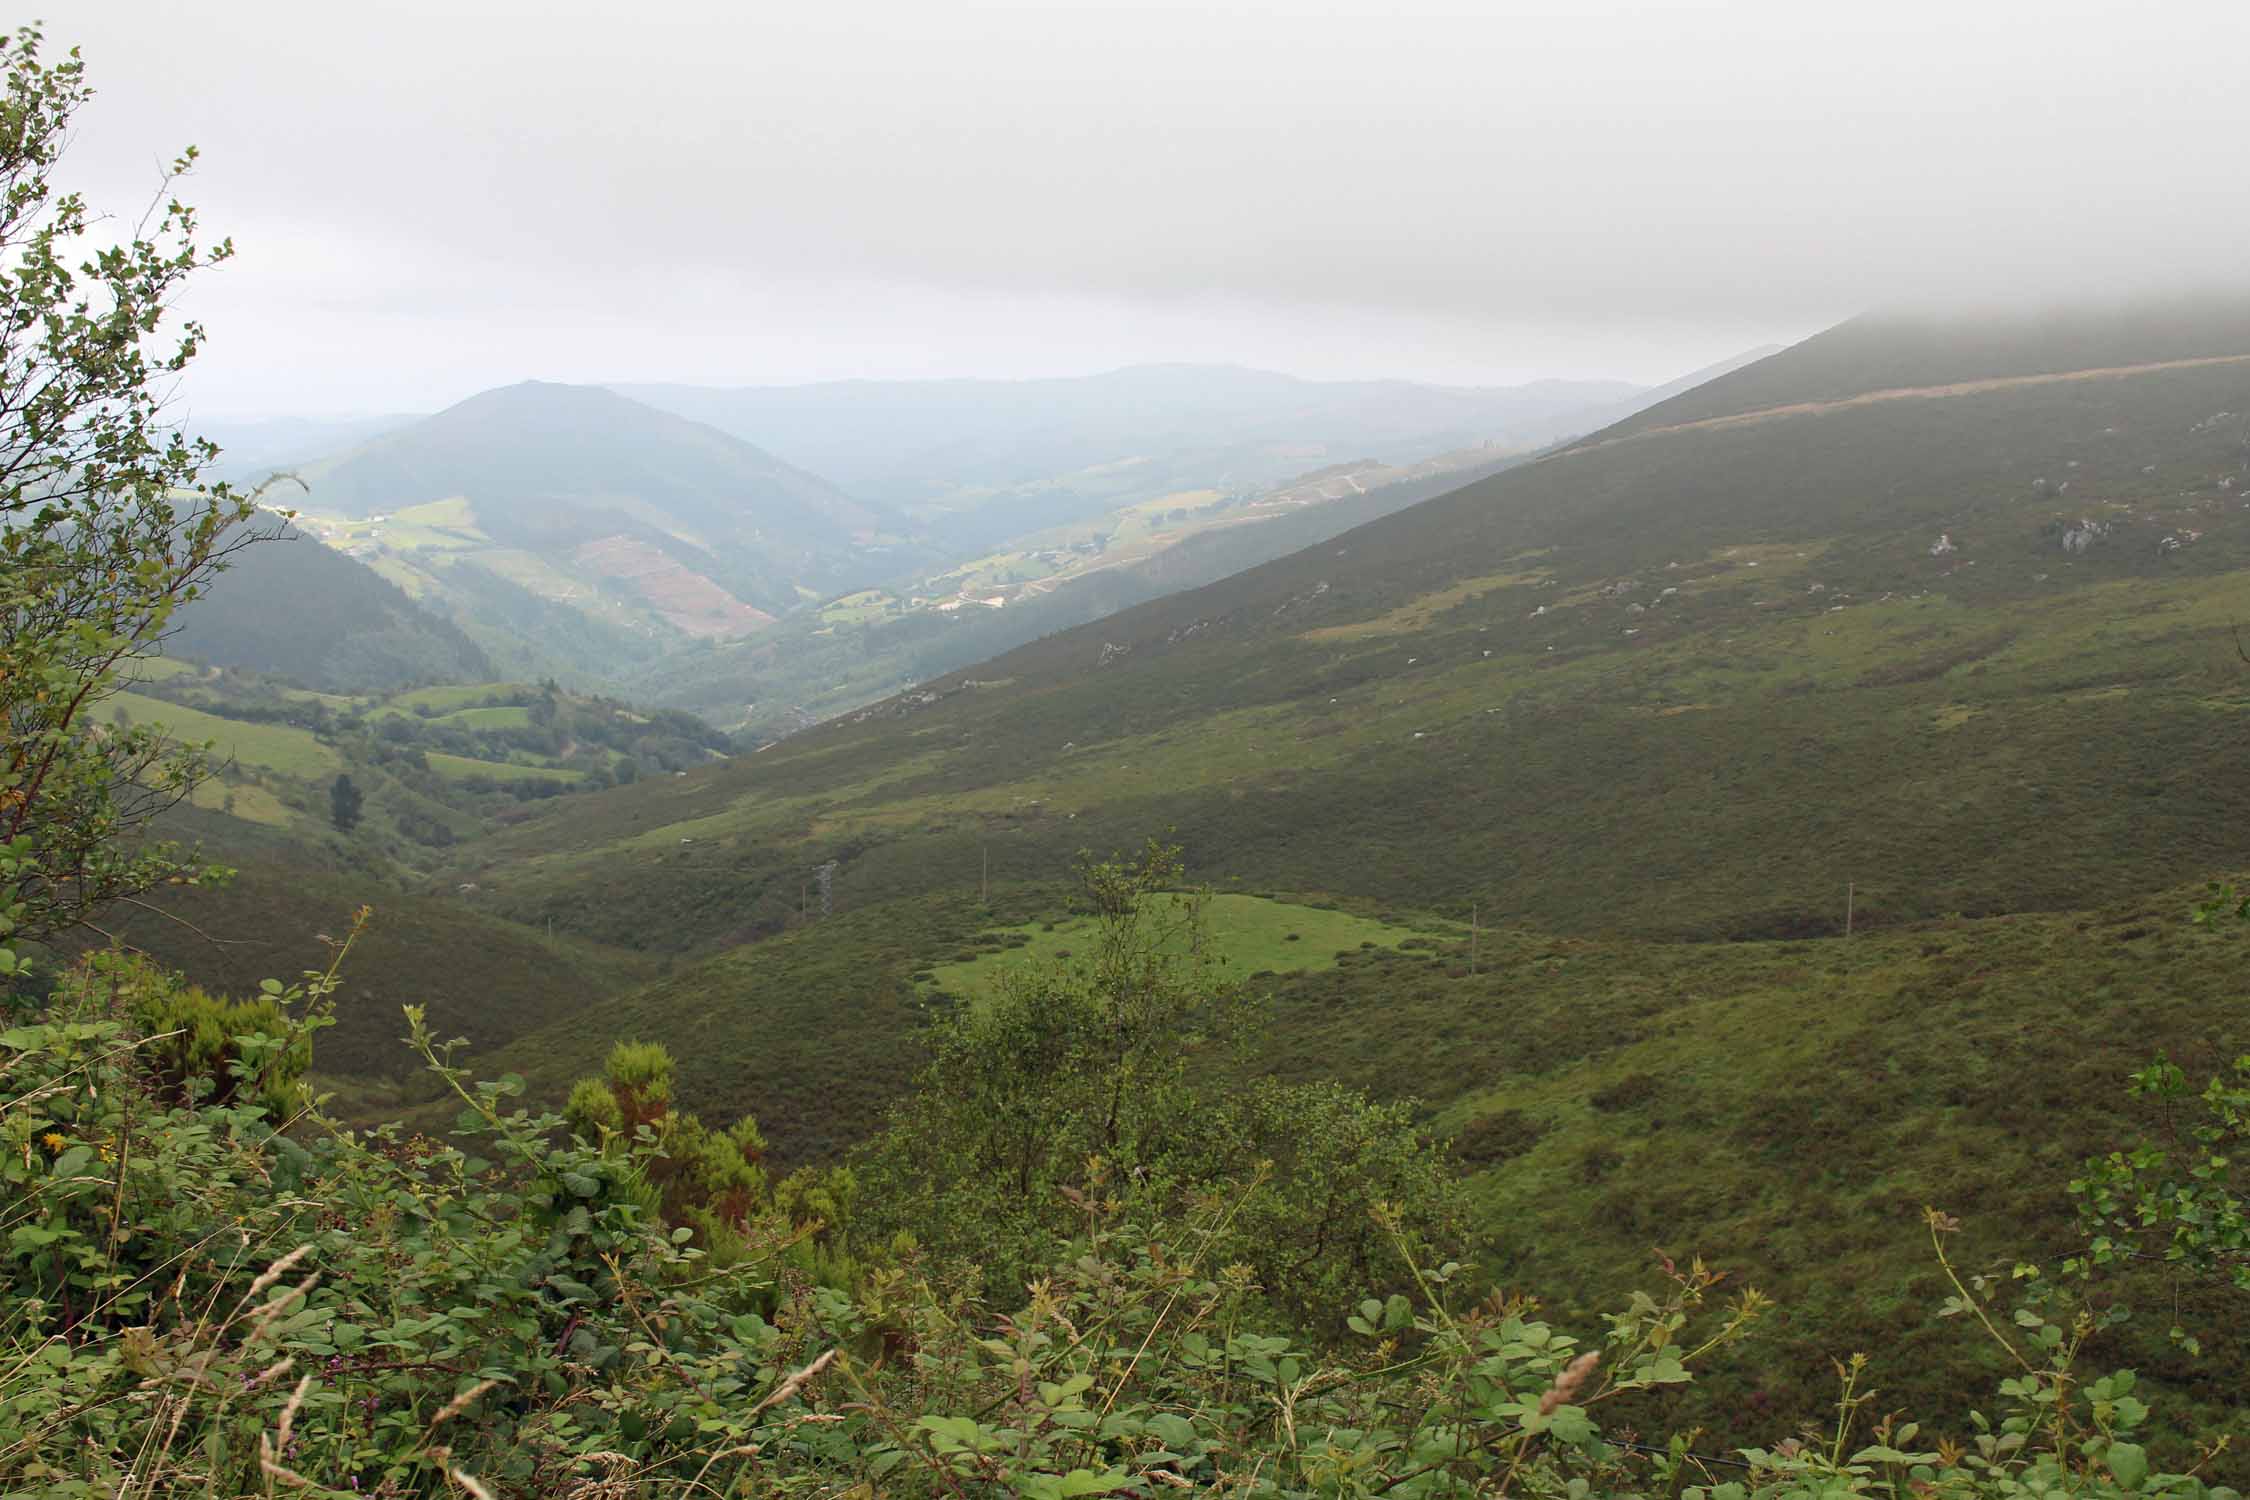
(462,767)
(277,747)
(445,700)
(1416,614)
(243,799)
(487,718)
(1251,934)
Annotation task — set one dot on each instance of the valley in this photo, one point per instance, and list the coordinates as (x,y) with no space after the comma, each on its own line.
(1105,787)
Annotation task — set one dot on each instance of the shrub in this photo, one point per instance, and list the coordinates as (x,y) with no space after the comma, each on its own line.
(1495,1137)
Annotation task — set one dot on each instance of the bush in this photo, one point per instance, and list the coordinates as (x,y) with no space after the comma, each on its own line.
(1495,1137)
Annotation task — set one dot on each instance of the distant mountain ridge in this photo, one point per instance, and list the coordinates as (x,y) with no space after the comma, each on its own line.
(576,533)
(549,465)
(979,460)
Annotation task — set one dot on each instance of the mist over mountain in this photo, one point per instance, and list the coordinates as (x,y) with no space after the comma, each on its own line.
(577,531)
(979,460)
(252,448)
(539,460)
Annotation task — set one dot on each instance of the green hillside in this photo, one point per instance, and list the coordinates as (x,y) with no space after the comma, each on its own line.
(295,609)
(1656,709)
(481,977)
(436,767)
(871,644)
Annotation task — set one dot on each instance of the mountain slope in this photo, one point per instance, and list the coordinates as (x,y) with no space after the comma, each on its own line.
(1968,653)
(252,449)
(980,460)
(853,651)
(299,610)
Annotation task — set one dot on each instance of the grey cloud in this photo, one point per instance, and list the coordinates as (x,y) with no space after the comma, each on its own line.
(1062,185)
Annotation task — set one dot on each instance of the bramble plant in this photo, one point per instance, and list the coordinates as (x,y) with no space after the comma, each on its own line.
(2182,1199)
(200,1302)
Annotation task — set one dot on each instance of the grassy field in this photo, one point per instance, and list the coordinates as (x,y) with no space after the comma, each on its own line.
(445,700)
(462,767)
(1784,1108)
(1248,934)
(277,747)
(245,800)
(500,717)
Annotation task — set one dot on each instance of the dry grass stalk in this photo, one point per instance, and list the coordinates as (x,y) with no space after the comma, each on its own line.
(795,1383)
(277,1270)
(616,1482)
(1568,1384)
(289,1412)
(263,1318)
(460,1403)
(273,1468)
(278,1367)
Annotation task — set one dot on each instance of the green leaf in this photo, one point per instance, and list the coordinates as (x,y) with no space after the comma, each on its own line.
(2128,1462)
(1173,1431)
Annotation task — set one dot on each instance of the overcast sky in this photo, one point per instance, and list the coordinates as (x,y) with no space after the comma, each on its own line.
(433,198)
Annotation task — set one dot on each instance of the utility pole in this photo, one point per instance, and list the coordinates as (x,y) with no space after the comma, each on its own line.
(1472,937)
(984,883)
(1851,892)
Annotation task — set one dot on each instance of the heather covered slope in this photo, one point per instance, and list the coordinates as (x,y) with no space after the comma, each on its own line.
(1968,652)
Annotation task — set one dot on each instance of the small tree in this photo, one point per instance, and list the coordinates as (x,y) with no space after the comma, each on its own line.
(1117,1075)
(344,802)
(106,527)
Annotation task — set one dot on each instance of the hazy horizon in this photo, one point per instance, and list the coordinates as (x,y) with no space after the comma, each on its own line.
(434,199)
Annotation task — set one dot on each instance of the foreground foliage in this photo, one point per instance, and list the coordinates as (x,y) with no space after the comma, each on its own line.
(200,1303)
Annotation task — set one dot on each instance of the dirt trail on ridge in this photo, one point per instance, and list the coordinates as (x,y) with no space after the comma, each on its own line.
(1905,393)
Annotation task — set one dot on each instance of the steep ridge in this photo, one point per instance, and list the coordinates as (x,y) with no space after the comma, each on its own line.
(1891,351)
(302,611)
(1915,393)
